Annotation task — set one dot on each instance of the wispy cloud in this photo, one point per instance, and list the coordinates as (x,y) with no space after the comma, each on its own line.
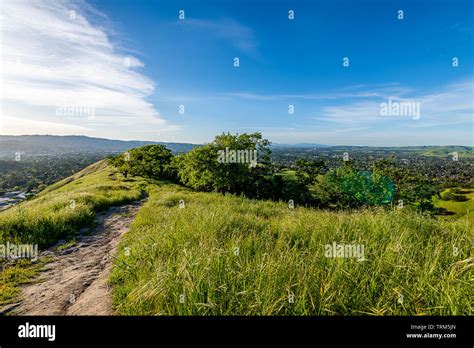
(370,137)
(240,36)
(356,91)
(360,104)
(450,105)
(52,56)
(354,112)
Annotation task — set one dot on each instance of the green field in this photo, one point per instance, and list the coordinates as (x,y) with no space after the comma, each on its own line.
(229,255)
(447,151)
(458,208)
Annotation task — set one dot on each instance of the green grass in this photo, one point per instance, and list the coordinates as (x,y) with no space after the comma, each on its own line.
(66,245)
(228,255)
(61,209)
(458,208)
(447,151)
(57,213)
(289,173)
(16,274)
(185,262)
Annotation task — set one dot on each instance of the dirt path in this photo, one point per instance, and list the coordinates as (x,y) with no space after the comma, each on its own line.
(75,282)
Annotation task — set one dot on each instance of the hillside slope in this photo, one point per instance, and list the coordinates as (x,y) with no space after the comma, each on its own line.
(74,281)
(59,212)
(62,208)
(192,253)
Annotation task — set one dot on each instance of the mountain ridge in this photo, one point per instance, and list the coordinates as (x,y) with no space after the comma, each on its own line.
(60,144)
(37,144)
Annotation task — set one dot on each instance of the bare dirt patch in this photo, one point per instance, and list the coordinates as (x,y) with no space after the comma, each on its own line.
(75,282)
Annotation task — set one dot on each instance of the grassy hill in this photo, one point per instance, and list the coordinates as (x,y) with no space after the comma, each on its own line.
(429,150)
(447,151)
(458,208)
(57,213)
(229,255)
(64,207)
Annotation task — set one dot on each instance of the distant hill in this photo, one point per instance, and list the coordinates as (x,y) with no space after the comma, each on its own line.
(465,151)
(34,145)
(428,150)
(300,145)
(57,145)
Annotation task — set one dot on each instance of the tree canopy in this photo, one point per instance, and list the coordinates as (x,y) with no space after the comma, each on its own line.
(241,164)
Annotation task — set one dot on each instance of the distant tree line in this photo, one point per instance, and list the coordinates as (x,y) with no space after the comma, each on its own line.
(444,170)
(216,167)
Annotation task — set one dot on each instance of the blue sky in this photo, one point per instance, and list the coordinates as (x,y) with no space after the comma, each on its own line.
(299,62)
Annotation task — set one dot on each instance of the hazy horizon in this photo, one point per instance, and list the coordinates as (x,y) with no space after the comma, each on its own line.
(188,142)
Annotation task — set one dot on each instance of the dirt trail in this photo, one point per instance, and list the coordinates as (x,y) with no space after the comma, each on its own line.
(75,282)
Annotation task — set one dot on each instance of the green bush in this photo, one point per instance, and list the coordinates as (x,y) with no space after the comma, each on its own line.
(149,161)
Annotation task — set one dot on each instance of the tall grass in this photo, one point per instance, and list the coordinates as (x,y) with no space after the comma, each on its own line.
(66,206)
(227,255)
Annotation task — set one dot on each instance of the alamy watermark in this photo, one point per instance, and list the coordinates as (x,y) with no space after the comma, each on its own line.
(397,108)
(19,251)
(345,251)
(76,110)
(249,157)
(37,331)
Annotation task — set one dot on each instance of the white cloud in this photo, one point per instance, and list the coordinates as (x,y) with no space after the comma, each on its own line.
(52,55)
(18,126)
